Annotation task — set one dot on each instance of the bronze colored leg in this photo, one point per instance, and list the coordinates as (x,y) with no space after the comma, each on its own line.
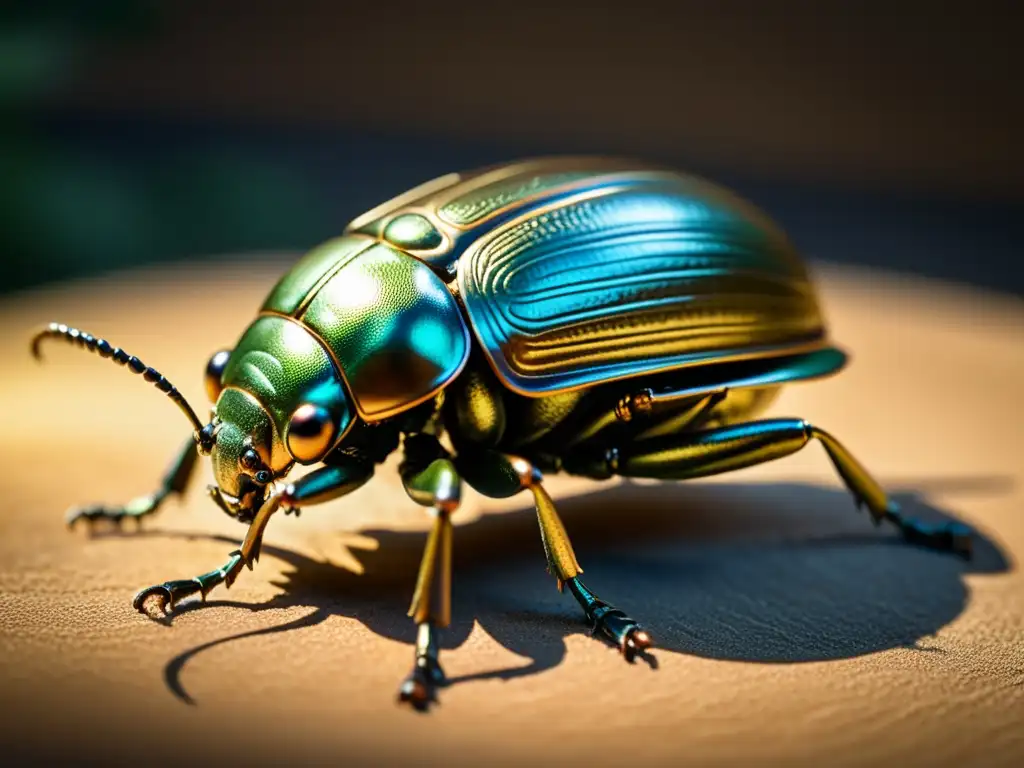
(175,482)
(949,537)
(500,475)
(431,610)
(700,454)
(436,485)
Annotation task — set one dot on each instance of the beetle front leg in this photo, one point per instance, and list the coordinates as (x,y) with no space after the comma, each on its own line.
(500,475)
(430,479)
(344,475)
(170,593)
(175,481)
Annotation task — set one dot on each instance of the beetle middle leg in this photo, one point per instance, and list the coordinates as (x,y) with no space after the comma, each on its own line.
(712,451)
(430,479)
(500,475)
(174,483)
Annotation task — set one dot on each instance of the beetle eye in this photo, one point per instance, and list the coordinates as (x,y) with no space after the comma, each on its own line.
(263,477)
(250,459)
(214,374)
(310,433)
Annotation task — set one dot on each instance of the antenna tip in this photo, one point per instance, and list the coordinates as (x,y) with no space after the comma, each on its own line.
(45,332)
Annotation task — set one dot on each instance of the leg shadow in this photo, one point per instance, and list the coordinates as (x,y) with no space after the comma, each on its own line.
(769,573)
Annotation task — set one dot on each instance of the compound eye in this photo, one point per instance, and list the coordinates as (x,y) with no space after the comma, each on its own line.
(250,459)
(214,374)
(310,433)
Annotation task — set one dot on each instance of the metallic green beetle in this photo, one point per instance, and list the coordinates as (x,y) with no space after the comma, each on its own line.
(592,316)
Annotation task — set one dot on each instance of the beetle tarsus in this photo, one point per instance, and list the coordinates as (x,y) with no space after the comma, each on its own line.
(611,623)
(946,537)
(170,593)
(623,632)
(136,509)
(419,689)
(163,596)
(174,483)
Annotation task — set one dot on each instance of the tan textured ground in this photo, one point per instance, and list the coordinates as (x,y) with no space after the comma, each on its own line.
(790,630)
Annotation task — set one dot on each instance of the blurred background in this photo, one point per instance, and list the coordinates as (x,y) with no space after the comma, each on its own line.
(135,132)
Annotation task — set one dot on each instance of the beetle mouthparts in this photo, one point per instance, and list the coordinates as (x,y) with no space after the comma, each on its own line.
(242,509)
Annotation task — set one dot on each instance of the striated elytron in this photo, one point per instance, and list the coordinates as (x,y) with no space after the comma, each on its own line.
(591,316)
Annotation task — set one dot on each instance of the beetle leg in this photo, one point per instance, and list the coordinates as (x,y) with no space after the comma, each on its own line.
(430,479)
(175,481)
(623,632)
(168,594)
(344,475)
(500,475)
(950,537)
(709,452)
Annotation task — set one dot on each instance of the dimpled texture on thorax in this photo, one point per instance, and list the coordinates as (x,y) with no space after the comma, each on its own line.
(300,282)
(393,327)
(282,365)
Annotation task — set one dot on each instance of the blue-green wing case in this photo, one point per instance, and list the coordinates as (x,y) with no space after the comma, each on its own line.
(577,271)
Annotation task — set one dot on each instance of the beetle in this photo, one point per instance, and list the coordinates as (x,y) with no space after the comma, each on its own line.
(593,316)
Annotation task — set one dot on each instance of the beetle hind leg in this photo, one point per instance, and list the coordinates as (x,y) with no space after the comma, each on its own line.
(952,537)
(611,623)
(709,452)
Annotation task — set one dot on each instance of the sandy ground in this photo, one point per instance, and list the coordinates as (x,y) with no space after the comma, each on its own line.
(789,630)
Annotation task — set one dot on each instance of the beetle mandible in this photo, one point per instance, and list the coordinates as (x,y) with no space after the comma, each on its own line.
(592,316)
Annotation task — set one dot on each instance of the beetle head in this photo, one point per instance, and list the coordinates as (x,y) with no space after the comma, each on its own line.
(247,454)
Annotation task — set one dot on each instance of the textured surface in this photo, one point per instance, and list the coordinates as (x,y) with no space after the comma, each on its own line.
(634,277)
(791,631)
(393,327)
(473,206)
(283,366)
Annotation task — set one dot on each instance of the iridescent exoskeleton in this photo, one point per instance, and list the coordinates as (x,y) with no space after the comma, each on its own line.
(590,316)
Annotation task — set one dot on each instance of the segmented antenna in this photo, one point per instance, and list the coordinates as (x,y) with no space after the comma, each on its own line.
(103,348)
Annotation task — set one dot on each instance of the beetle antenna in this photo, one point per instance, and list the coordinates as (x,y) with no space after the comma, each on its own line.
(203,436)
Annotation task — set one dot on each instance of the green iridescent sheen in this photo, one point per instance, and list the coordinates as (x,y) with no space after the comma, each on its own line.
(311,269)
(413,231)
(242,419)
(281,364)
(636,279)
(439,482)
(634,324)
(393,326)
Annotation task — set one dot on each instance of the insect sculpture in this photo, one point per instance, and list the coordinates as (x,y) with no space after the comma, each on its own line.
(590,316)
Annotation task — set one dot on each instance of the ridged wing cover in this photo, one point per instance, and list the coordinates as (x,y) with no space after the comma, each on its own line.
(573,279)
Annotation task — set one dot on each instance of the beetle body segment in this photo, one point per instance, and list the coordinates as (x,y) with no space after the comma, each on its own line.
(389,323)
(356,328)
(579,272)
